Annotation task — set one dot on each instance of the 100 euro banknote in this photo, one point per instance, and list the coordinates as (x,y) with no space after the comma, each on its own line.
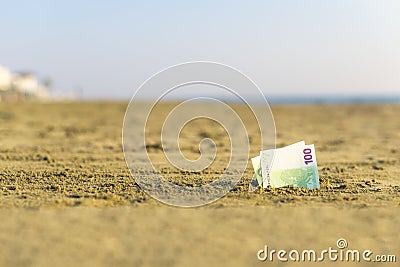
(292,165)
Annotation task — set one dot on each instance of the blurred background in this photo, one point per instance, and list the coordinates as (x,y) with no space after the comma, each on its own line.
(294,50)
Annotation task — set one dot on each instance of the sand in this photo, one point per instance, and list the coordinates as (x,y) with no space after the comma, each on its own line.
(67,197)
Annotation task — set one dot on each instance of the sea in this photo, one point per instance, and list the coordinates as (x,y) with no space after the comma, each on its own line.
(332,99)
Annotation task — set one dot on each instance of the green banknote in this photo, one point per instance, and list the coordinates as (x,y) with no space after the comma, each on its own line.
(291,165)
(268,156)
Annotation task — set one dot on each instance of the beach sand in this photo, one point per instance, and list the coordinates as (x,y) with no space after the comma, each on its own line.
(68,199)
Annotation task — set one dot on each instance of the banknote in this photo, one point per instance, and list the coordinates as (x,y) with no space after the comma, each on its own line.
(291,165)
(296,166)
(267,157)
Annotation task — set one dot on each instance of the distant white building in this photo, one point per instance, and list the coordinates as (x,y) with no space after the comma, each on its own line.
(28,84)
(25,82)
(5,79)
(21,85)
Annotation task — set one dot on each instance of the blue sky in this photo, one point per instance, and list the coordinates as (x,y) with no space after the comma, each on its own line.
(108,48)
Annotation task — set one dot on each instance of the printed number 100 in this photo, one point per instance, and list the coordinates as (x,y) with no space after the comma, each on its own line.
(307,156)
